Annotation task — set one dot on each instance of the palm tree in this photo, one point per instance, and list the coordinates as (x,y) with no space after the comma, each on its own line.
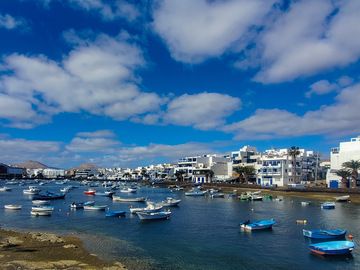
(179,175)
(344,174)
(354,167)
(293,152)
(245,172)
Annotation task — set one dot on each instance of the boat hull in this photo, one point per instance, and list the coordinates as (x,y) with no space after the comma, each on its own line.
(258,225)
(324,234)
(120,199)
(334,248)
(12,207)
(153,216)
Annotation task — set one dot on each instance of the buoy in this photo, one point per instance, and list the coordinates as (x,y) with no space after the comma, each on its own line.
(301,221)
(350,236)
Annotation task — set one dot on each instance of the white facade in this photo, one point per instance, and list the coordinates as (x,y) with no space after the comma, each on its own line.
(345,152)
(53,173)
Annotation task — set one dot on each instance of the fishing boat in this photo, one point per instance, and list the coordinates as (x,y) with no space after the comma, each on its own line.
(122,199)
(154,215)
(150,208)
(255,197)
(195,192)
(170,202)
(265,224)
(90,192)
(12,207)
(244,196)
(332,248)
(49,196)
(41,213)
(66,189)
(344,198)
(95,207)
(305,203)
(128,190)
(324,234)
(218,195)
(105,194)
(42,208)
(81,205)
(115,213)
(328,205)
(4,189)
(31,190)
(40,202)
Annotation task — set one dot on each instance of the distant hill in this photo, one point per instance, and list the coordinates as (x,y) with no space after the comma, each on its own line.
(85,166)
(31,164)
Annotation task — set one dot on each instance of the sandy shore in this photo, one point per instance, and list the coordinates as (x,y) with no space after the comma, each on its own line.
(31,250)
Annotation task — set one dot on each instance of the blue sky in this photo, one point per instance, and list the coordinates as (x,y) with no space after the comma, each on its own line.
(128,83)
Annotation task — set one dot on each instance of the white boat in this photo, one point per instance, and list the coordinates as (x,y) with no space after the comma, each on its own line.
(218,195)
(122,199)
(344,198)
(169,202)
(128,190)
(42,208)
(195,192)
(305,203)
(40,202)
(95,207)
(328,205)
(150,208)
(41,213)
(31,190)
(3,189)
(255,197)
(154,215)
(12,206)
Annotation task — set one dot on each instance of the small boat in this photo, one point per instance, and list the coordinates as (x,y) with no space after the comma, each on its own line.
(218,195)
(90,192)
(265,224)
(31,190)
(128,190)
(332,248)
(40,202)
(169,202)
(328,205)
(154,215)
(4,189)
(105,194)
(305,203)
(95,207)
(345,198)
(49,196)
(41,213)
(42,208)
(66,189)
(244,197)
(81,205)
(324,234)
(255,197)
(213,191)
(115,214)
(122,199)
(12,207)
(278,199)
(195,193)
(150,208)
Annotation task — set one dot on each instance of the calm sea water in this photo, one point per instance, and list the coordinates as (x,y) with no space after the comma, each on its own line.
(203,233)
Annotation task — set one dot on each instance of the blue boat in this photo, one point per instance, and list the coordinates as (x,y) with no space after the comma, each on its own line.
(49,196)
(328,205)
(333,248)
(324,234)
(265,224)
(115,213)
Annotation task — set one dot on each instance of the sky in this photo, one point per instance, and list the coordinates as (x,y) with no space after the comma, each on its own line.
(131,83)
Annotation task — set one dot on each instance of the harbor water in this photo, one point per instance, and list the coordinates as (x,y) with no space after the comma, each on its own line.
(202,233)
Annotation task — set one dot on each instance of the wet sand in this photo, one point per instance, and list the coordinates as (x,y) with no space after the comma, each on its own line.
(32,250)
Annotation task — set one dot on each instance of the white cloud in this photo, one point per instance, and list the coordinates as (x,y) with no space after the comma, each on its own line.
(195,30)
(311,37)
(340,118)
(9,22)
(203,111)
(105,133)
(324,87)
(109,10)
(97,77)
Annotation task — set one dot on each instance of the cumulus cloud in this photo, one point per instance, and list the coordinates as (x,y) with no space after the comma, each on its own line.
(340,118)
(312,36)
(9,22)
(324,87)
(109,10)
(203,111)
(98,77)
(195,30)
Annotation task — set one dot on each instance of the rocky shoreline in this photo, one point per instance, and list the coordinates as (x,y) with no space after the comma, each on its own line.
(37,250)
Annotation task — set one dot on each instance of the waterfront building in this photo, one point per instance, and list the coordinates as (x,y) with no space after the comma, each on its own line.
(9,172)
(346,151)
(246,156)
(53,173)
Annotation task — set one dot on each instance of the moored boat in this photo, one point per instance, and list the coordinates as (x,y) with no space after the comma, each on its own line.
(49,196)
(265,224)
(90,192)
(218,195)
(41,213)
(81,205)
(31,190)
(255,197)
(12,207)
(332,248)
(324,234)
(4,189)
(42,208)
(123,199)
(105,193)
(305,203)
(344,198)
(328,205)
(40,202)
(115,213)
(128,190)
(95,207)
(170,202)
(150,208)
(154,215)
(195,192)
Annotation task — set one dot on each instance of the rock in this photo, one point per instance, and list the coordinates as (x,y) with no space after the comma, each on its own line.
(47,237)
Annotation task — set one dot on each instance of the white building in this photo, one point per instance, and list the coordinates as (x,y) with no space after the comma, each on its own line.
(53,173)
(345,152)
